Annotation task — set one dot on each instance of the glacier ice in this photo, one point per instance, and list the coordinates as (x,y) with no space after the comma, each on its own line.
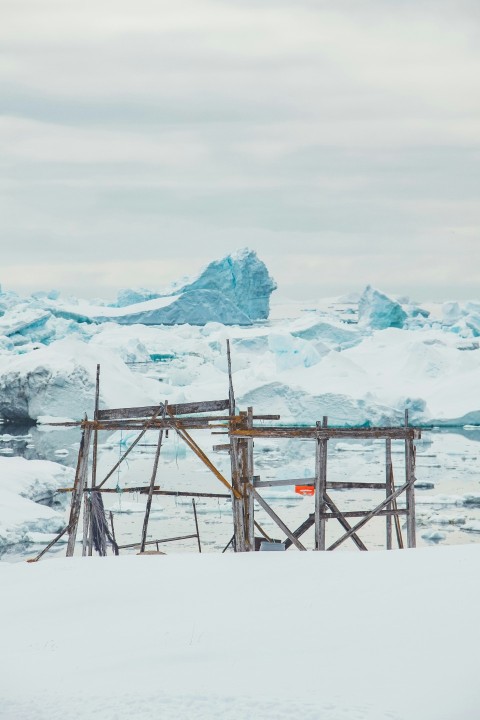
(378,311)
(234,291)
(242,278)
(59,381)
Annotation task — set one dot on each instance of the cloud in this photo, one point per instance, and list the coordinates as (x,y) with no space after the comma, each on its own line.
(132,132)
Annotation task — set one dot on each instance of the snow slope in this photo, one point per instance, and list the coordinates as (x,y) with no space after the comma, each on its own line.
(317,636)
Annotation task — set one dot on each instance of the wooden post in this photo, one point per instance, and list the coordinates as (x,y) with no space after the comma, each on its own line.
(78,488)
(152,484)
(235,462)
(240,472)
(94,461)
(410,491)
(389,490)
(249,509)
(196,525)
(320,487)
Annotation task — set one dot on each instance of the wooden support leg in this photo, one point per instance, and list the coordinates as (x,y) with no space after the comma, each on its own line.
(410,493)
(78,489)
(237,502)
(320,488)
(388,481)
(249,509)
(276,519)
(344,522)
(152,485)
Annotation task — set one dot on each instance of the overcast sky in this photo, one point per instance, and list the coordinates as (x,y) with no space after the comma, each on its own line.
(141,139)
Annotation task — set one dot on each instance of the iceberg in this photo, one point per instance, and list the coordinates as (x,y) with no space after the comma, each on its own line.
(59,381)
(242,278)
(233,291)
(378,311)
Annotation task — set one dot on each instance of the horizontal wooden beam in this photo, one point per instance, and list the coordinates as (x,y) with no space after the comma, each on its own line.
(143,490)
(150,410)
(155,542)
(361,513)
(330,485)
(312,433)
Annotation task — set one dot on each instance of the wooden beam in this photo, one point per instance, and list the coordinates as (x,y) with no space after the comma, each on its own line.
(50,545)
(146,427)
(154,542)
(312,433)
(363,513)
(276,519)
(333,485)
(177,409)
(152,484)
(368,517)
(410,493)
(389,489)
(306,525)
(249,505)
(321,448)
(204,458)
(343,522)
(78,486)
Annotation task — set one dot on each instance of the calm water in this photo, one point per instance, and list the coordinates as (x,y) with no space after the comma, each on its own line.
(448,470)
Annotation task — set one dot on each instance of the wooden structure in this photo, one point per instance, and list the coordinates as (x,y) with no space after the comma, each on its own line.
(244,489)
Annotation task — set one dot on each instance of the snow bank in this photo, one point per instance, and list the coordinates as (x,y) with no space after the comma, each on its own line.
(248,616)
(23,483)
(59,381)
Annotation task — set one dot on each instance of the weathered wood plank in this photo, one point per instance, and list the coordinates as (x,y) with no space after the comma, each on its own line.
(389,488)
(368,517)
(306,433)
(331,485)
(276,519)
(410,493)
(363,513)
(343,522)
(249,504)
(156,412)
(78,487)
(321,448)
(175,409)
(152,484)
(50,545)
(94,455)
(155,542)
(143,490)
(182,433)
(306,525)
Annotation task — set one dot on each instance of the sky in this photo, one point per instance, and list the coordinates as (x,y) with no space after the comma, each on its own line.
(141,139)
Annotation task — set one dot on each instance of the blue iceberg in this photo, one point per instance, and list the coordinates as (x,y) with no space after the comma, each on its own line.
(233,291)
(378,311)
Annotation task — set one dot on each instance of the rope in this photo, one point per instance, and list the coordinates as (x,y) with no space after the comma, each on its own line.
(101,534)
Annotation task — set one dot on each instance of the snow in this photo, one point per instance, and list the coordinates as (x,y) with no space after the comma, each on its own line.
(59,380)
(324,636)
(23,485)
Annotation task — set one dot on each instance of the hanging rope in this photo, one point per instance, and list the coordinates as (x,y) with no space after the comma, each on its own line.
(101,534)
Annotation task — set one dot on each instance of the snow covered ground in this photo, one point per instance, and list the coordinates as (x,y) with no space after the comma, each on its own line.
(317,636)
